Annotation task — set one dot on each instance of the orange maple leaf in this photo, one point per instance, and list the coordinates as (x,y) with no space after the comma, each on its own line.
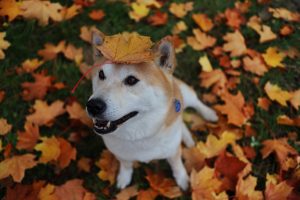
(127,48)
(45,114)
(205,185)
(235,44)
(158,19)
(281,148)
(254,63)
(16,166)
(233,108)
(28,139)
(264,31)
(37,89)
(109,166)
(50,51)
(41,10)
(193,158)
(203,21)
(164,186)
(10,8)
(277,191)
(70,12)
(216,78)
(201,40)
(234,18)
(73,53)
(180,9)
(127,193)
(245,189)
(77,112)
(96,15)
(50,148)
(4,126)
(47,193)
(67,153)
(29,65)
(148,194)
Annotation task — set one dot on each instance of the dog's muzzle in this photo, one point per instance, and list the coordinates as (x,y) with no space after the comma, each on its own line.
(104,126)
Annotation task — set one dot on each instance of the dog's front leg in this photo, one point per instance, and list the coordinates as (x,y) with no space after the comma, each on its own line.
(179,171)
(125,174)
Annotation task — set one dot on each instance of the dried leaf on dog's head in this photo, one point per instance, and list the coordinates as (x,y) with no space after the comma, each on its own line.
(127,48)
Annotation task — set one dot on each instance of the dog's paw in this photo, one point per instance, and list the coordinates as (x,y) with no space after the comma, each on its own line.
(123,180)
(210,115)
(183,181)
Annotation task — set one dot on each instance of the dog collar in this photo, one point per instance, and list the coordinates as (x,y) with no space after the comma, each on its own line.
(177,105)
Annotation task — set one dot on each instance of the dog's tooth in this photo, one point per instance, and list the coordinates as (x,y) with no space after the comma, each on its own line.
(108,124)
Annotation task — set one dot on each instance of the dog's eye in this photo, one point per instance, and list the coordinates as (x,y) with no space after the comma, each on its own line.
(101,75)
(131,80)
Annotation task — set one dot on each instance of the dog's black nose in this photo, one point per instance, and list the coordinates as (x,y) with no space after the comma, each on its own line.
(96,107)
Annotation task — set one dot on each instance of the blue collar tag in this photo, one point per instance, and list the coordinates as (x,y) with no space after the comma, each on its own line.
(177,105)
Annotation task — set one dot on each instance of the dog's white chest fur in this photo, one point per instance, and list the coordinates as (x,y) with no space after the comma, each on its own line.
(162,144)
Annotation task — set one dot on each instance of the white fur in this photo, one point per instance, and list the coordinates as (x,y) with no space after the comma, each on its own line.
(145,137)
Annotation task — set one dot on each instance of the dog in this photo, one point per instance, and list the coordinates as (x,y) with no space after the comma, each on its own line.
(137,110)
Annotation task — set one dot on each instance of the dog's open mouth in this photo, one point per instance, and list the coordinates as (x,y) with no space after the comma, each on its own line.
(105,126)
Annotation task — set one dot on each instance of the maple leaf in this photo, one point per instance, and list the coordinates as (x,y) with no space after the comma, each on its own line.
(193,158)
(148,194)
(216,78)
(295,100)
(50,51)
(235,44)
(4,126)
(86,33)
(42,11)
(70,12)
(72,53)
(96,15)
(264,31)
(109,166)
(205,63)
(281,148)
(29,65)
(127,193)
(273,57)
(45,114)
(245,189)
(24,192)
(50,148)
(127,48)
(274,92)
(254,63)
(72,189)
(286,30)
(264,103)
(233,108)
(16,166)
(67,153)
(47,193)
(206,186)
(84,164)
(179,27)
(164,186)
(10,8)
(158,19)
(203,21)
(37,89)
(275,190)
(180,9)
(77,112)
(3,45)
(285,120)
(214,146)
(201,40)
(28,139)
(139,11)
(234,18)
(285,14)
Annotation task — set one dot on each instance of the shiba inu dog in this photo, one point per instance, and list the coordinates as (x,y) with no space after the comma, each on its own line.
(137,108)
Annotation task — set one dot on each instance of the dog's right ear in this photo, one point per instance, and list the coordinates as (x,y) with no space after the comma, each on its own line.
(97,39)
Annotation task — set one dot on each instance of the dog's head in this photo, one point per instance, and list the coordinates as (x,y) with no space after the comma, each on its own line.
(131,97)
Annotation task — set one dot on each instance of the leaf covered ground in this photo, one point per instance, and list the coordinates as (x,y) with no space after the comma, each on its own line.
(242,57)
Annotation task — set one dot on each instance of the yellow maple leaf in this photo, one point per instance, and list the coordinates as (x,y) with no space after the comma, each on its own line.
(127,48)
(10,8)
(273,57)
(29,65)
(205,63)
(4,126)
(139,11)
(213,146)
(47,193)
(50,148)
(3,45)
(245,188)
(16,166)
(274,92)
(42,11)
(235,44)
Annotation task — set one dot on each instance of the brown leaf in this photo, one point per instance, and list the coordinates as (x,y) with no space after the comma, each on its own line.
(193,158)
(201,40)
(24,192)
(234,18)
(37,89)
(158,19)
(235,44)
(28,139)
(16,166)
(45,114)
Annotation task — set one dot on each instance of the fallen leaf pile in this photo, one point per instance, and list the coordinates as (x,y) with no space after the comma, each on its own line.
(241,56)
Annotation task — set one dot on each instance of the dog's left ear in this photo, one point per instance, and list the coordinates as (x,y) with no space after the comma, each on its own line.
(97,39)
(164,53)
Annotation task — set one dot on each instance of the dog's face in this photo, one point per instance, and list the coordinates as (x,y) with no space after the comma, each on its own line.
(125,95)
